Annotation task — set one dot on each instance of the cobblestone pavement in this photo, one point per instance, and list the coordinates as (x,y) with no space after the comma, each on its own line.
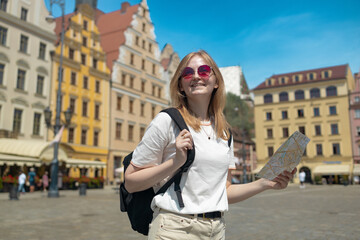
(316,212)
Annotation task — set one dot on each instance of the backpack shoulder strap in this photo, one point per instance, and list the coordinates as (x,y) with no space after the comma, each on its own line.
(230,138)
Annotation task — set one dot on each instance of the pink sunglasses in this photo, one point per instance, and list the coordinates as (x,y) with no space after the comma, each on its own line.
(204,71)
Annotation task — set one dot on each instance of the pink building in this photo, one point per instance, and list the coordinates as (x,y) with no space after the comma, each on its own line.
(354,99)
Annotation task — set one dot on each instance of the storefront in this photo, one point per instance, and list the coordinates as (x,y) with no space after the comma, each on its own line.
(332,173)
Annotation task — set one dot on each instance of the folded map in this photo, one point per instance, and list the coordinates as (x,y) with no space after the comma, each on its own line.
(287,157)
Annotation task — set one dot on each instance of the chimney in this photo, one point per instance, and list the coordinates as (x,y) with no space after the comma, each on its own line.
(124,7)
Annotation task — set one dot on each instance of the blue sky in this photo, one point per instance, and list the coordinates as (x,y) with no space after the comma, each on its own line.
(263,37)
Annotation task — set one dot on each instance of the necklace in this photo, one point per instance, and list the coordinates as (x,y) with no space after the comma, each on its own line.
(208,135)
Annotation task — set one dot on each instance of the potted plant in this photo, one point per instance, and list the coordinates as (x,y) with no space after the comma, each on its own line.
(83,182)
(11,182)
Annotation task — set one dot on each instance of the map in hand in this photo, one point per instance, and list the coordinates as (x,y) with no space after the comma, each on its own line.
(287,157)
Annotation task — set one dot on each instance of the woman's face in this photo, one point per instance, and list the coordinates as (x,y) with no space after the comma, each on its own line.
(198,85)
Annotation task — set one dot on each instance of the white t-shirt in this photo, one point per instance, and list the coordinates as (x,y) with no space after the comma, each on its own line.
(302,176)
(203,186)
(22,178)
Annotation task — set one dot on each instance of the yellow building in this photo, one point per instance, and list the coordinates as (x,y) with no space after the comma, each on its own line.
(85,90)
(137,84)
(314,102)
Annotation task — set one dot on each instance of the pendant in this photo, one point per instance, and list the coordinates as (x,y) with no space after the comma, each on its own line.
(209,138)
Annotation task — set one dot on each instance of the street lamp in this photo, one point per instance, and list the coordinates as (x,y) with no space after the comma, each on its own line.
(53,190)
(243,149)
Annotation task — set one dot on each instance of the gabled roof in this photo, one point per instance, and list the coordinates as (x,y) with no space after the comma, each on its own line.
(112,27)
(58,25)
(338,72)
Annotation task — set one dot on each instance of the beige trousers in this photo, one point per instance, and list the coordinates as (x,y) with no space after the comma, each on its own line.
(172,226)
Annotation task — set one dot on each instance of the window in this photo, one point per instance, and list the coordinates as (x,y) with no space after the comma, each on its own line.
(85,82)
(300,113)
(357,99)
(270,151)
(142,109)
(311,76)
(97,86)
(284,114)
(36,126)
(269,82)
(319,151)
(131,59)
(131,106)
(326,74)
(3,4)
(83,59)
(159,92)
(73,78)
(268,98)
(96,138)
(97,111)
(268,116)
(2,70)
(83,136)
(269,133)
(334,129)
(20,83)
(297,78)
(137,40)
(316,112)
(118,130)
(123,79)
(285,132)
(40,85)
(282,80)
(302,130)
(72,104)
(152,111)
(95,62)
(314,93)
(71,135)
(283,97)
(24,13)
(85,25)
(143,27)
(336,148)
(317,130)
(23,43)
(299,95)
(84,41)
(332,110)
(131,82)
(357,113)
(358,131)
(143,44)
(84,108)
(150,47)
(17,121)
(143,64)
(331,91)
(42,51)
(153,90)
(154,69)
(142,132)
(118,103)
(142,86)
(3,35)
(131,133)
(71,53)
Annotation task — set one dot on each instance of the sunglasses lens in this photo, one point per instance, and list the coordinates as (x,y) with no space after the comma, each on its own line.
(204,71)
(187,73)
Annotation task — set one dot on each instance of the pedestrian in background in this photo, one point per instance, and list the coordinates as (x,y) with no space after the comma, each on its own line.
(302,176)
(22,180)
(198,92)
(45,181)
(32,176)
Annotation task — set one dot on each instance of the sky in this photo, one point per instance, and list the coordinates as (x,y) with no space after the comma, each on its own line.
(263,37)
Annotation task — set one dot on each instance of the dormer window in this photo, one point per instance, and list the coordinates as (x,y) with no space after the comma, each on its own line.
(326,74)
(85,25)
(282,80)
(269,82)
(297,79)
(311,76)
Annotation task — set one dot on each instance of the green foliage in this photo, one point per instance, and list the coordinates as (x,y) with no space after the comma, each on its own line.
(238,113)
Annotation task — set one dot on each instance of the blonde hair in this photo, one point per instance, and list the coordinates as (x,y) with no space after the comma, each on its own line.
(217,101)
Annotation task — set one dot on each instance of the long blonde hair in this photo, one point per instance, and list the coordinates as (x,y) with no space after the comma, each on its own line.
(217,101)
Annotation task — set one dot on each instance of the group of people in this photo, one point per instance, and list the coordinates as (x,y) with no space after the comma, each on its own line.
(30,181)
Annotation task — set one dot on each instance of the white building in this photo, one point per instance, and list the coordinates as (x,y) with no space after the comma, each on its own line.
(235,81)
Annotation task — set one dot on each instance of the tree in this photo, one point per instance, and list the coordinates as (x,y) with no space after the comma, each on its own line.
(239,114)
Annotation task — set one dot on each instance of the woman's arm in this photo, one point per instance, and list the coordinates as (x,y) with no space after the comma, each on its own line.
(240,192)
(138,179)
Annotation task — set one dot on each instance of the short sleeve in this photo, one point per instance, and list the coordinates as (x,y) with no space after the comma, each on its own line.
(149,151)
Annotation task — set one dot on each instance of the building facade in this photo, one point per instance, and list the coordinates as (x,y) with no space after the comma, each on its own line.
(315,103)
(170,61)
(137,84)
(235,82)
(26,40)
(85,91)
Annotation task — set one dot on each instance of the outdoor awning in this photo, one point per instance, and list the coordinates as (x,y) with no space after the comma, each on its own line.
(335,169)
(356,169)
(258,168)
(71,162)
(18,160)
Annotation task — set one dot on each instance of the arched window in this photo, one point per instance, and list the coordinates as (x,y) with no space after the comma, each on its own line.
(314,93)
(283,96)
(331,91)
(299,94)
(268,98)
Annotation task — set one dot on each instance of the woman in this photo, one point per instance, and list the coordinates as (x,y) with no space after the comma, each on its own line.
(197,90)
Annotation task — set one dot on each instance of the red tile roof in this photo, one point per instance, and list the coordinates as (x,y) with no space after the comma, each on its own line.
(58,25)
(338,72)
(111,27)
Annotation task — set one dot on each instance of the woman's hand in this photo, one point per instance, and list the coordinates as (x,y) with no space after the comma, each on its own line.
(183,142)
(281,181)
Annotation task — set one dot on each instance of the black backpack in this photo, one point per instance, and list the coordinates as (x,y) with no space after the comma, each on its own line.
(137,204)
